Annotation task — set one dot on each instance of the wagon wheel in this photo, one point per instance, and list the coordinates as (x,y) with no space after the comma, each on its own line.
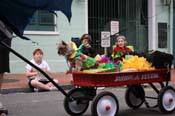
(166,100)
(78,105)
(3,114)
(135,96)
(105,104)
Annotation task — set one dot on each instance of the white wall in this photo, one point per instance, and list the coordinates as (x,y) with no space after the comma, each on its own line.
(66,30)
(158,12)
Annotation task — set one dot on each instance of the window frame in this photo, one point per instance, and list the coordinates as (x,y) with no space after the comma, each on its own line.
(38,32)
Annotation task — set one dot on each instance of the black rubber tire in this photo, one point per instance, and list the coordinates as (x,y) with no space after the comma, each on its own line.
(3,111)
(3,114)
(164,91)
(100,96)
(78,106)
(135,96)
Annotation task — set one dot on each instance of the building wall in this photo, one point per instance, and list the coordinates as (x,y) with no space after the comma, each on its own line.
(160,13)
(48,42)
(163,16)
(75,28)
(174,33)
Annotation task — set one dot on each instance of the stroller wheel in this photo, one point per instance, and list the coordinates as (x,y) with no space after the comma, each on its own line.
(76,104)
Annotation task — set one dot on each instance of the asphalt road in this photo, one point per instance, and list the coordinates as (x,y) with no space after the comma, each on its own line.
(51,104)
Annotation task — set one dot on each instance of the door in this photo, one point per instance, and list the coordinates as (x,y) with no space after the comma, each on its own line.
(132,17)
(136,24)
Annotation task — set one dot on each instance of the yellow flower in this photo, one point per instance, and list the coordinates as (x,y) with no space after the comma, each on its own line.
(136,62)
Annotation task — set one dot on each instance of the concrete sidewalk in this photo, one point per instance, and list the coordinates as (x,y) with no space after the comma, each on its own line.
(13,83)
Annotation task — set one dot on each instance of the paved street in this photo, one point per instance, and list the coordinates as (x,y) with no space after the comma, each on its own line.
(51,104)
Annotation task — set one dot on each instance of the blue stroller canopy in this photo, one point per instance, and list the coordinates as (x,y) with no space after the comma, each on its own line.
(18,13)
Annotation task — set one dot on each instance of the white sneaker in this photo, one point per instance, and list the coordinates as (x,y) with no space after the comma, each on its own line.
(36,90)
(1,106)
(53,88)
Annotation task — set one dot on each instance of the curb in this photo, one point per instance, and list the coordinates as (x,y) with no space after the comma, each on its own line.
(27,90)
(64,87)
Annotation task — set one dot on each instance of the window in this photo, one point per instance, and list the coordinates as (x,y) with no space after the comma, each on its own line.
(162,35)
(42,21)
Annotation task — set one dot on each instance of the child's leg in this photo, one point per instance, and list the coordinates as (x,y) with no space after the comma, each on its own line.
(2,109)
(50,84)
(35,83)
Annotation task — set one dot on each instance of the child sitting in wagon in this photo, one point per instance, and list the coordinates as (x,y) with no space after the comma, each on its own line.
(121,48)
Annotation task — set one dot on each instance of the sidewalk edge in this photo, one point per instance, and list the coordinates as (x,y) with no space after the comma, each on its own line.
(27,90)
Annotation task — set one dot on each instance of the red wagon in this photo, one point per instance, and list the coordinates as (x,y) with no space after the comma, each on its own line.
(106,104)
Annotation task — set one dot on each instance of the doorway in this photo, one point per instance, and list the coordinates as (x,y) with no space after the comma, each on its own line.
(132,17)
